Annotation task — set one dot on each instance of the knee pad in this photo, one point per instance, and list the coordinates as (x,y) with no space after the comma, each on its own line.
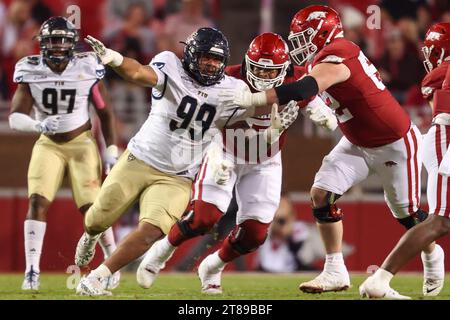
(330,212)
(199,220)
(414,219)
(248,236)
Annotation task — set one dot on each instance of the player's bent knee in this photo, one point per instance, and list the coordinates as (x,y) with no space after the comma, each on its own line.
(328,212)
(38,207)
(414,219)
(438,224)
(93,223)
(85,208)
(200,220)
(248,236)
(318,197)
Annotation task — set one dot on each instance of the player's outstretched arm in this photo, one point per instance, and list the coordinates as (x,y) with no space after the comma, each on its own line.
(127,68)
(321,77)
(19,118)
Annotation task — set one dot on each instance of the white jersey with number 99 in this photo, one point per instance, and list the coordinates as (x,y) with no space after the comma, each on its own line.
(184,118)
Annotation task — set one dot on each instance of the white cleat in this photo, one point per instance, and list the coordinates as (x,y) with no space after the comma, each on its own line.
(111,282)
(432,285)
(373,290)
(154,261)
(326,282)
(31,280)
(85,249)
(91,286)
(210,276)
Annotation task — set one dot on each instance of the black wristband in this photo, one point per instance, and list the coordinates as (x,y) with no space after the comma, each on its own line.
(303,89)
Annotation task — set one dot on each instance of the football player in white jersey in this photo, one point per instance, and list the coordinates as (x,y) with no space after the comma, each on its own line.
(254,169)
(60,85)
(163,157)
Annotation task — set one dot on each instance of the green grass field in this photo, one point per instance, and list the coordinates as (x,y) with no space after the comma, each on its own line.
(174,286)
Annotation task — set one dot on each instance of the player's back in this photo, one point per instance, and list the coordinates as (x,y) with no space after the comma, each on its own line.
(184,118)
(66,93)
(369,116)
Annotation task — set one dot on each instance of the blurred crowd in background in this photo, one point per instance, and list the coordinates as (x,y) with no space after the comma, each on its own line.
(142,28)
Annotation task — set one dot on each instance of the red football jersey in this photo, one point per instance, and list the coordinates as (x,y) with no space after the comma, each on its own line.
(261,122)
(441,97)
(433,80)
(367,113)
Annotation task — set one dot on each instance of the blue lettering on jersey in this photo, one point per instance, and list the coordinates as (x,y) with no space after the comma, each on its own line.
(100,73)
(159,65)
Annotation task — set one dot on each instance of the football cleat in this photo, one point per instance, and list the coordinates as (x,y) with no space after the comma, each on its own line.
(373,290)
(154,261)
(434,273)
(111,282)
(31,280)
(210,276)
(432,287)
(92,286)
(326,282)
(85,249)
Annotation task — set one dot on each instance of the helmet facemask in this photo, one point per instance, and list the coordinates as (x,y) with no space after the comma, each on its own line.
(210,73)
(303,47)
(431,62)
(57,47)
(261,83)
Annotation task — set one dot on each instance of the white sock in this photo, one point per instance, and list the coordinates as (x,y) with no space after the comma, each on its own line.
(34,232)
(165,248)
(107,242)
(102,271)
(215,261)
(334,262)
(431,263)
(383,276)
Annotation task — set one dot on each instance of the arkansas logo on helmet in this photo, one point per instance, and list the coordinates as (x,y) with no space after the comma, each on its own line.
(436,45)
(312,28)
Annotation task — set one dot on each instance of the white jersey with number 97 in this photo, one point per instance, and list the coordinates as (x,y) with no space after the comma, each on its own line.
(65,94)
(184,118)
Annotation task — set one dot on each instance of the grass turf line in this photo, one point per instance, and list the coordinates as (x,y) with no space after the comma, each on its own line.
(236,286)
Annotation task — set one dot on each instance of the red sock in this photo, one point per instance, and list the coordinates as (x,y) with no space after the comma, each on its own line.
(205,216)
(244,238)
(175,236)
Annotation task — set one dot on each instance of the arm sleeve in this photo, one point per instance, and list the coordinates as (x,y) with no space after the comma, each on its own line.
(303,89)
(22,122)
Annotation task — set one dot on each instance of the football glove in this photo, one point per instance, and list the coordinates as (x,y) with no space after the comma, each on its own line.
(321,114)
(243,98)
(110,157)
(223,172)
(107,56)
(49,125)
(280,121)
(221,167)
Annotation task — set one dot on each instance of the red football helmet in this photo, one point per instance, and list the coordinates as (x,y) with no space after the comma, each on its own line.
(312,28)
(267,52)
(436,45)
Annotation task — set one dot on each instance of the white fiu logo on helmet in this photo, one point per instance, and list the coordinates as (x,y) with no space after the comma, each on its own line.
(316,15)
(434,36)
